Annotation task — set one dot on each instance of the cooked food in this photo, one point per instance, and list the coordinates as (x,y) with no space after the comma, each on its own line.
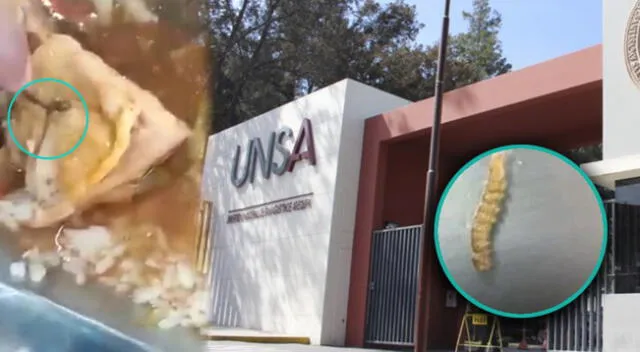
(129,131)
(159,277)
(103,10)
(98,212)
(134,10)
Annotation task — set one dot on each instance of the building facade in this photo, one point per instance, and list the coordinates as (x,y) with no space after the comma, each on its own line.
(284,191)
(555,104)
(619,170)
(317,203)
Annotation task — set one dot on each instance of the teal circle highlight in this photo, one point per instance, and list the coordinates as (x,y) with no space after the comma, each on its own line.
(605,227)
(86,118)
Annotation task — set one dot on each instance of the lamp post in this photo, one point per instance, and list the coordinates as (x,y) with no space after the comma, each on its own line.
(430,199)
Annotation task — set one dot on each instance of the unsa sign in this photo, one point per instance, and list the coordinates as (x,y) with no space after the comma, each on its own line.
(256,155)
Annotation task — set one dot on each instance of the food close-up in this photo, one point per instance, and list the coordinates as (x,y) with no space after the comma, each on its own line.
(488,212)
(103,136)
(506,225)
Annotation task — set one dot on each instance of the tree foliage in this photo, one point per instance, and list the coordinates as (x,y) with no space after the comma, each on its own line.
(269,52)
(587,154)
(480,45)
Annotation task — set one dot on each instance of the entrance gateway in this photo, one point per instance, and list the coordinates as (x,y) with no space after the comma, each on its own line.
(288,272)
(259,259)
(283,188)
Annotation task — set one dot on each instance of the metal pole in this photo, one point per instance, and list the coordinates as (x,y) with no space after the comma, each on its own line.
(430,199)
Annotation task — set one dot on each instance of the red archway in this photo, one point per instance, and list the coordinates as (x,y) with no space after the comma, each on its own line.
(556,104)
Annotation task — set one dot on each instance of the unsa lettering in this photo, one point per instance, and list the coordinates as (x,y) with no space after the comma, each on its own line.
(255,154)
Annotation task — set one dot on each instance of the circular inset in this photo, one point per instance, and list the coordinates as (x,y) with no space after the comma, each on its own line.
(520,231)
(84,131)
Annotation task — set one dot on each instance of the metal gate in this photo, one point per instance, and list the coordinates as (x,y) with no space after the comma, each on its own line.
(392,286)
(578,327)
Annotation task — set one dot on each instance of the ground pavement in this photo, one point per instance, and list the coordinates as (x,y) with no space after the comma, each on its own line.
(226,339)
(230,346)
(244,340)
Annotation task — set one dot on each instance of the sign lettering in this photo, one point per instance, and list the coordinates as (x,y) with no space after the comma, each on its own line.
(282,206)
(257,156)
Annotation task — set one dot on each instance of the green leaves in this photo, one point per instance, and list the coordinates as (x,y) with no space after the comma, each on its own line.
(268,52)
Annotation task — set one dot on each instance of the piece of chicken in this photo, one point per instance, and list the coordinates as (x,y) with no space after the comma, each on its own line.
(129,132)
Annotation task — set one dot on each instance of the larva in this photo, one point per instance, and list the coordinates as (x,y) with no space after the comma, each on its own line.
(487,213)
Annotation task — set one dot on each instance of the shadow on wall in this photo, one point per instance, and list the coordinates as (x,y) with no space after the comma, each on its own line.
(408,155)
(403,121)
(267,271)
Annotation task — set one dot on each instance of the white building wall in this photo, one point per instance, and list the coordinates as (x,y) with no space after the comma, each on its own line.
(621,152)
(621,99)
(620,323)
(289,273)
(621,96)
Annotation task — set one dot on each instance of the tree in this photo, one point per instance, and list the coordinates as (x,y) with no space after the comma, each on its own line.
(589,154)
(477,53)
(481,40)
(268,52)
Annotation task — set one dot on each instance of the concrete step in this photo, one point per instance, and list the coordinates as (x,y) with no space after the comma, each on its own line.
(214,333)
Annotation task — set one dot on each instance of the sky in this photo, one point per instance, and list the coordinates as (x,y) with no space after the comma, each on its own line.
(532,31)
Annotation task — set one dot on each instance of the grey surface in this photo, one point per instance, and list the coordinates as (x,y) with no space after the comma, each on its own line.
(59,316)
(548,240)
(229,346)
